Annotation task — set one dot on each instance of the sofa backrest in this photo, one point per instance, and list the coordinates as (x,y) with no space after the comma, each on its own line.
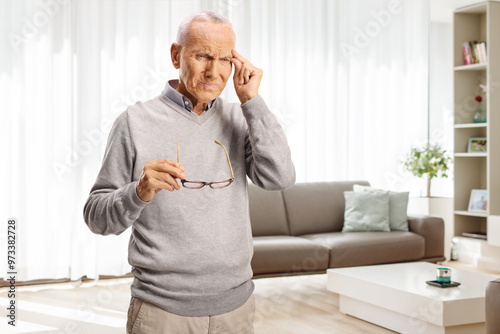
(316,207)
(267,212)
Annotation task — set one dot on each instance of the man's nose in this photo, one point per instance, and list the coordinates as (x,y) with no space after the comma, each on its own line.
(211,69)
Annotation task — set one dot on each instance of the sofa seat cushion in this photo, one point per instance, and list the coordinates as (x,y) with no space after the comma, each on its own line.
(286,254)
(369,248)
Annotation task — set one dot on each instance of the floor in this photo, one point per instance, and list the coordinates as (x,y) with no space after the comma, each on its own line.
(299,304)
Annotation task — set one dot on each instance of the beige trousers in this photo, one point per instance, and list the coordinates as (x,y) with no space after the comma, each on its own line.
(146,318)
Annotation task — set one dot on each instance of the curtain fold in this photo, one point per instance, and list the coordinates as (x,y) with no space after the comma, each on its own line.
(347,80)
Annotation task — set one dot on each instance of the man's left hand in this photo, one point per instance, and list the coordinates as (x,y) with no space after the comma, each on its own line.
(246,78)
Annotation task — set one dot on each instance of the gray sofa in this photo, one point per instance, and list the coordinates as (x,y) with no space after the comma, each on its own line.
(298,231)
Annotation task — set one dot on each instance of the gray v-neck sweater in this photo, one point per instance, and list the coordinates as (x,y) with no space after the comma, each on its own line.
(190,250)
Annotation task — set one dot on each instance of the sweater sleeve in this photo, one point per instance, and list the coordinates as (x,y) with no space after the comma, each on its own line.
(113,204)
(268,159)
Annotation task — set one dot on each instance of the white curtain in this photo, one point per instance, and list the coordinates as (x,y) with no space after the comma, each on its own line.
(347,79)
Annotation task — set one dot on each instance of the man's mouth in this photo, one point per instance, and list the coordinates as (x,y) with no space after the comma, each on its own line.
(209,85)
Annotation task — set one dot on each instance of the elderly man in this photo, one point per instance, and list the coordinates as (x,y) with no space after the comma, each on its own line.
(191,242)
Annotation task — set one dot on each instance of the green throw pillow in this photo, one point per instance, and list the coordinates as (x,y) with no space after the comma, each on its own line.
(366,211)
(398,206)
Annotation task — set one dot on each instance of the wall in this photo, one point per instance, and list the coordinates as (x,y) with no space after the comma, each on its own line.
(441,96)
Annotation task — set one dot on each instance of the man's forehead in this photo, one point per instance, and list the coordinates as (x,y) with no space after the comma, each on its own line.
(210,32)
(208,25)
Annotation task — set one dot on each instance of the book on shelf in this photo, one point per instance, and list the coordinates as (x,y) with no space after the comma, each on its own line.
(475,235)
(474,52)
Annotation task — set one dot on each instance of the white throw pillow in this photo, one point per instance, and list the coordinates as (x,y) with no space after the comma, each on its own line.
(398,206)
(366,211)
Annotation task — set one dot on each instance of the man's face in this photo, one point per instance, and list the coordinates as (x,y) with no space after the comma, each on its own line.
(204,63)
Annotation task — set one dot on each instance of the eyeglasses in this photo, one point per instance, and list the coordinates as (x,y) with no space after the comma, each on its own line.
(201,184)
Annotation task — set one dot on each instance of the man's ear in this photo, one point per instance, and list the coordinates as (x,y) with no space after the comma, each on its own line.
(175,54)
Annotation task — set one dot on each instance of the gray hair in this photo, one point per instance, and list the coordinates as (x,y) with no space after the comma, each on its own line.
(183,31)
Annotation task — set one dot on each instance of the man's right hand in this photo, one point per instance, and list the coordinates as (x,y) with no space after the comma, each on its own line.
(157,175)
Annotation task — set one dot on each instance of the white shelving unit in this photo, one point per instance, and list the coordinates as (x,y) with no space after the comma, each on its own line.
(478,22)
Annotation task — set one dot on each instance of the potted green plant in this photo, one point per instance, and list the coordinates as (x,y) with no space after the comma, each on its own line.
(431,161)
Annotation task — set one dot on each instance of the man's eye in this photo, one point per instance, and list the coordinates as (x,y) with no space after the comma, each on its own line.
(225,60)
(202,56)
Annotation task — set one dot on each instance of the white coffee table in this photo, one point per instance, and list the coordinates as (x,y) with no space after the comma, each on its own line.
(395,296)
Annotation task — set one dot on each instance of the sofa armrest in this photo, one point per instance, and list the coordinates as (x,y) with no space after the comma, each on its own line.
(493,307)
(432,230)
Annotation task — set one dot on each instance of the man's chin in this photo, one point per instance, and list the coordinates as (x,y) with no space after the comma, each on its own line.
(208,97)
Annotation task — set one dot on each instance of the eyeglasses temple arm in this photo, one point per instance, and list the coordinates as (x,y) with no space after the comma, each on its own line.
(227,156)
(178,150)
